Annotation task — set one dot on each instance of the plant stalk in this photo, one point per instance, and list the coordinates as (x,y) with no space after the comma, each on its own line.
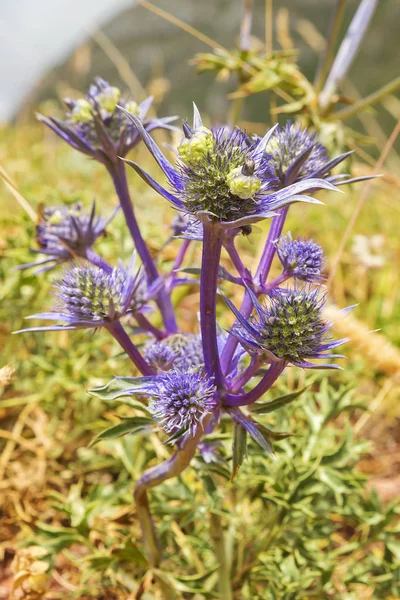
(118,174)
(328,55)
(153,477)
(213,235)
(259,279)
(224,571)
(259,390)
(119,333)
(377,96)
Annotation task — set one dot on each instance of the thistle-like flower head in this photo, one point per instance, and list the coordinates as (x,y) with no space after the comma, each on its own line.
(96,126)
(296,155)
(180,351)
(290,328)
(92,297)
(181,399)
(288,145)
(300,258)
(66,232)
(222,175)
(160,356)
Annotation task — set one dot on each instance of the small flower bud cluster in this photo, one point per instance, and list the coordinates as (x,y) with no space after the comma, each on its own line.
(288,144)
(99,125)
(193,149)
(302,259)
(180,351)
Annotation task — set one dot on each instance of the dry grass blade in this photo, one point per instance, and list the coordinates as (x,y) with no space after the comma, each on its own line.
(360,203)
(269,27)
(10,185)
(181,24)
(121,64)
(282,29)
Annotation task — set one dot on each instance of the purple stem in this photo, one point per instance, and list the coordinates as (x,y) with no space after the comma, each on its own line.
(244,377)
(229,245)
(212,244)
(177,263)
(263,386)
(145,324)
(274,283)
(153,477)
(259,279)
(119,333)
(181,255)
(118,174)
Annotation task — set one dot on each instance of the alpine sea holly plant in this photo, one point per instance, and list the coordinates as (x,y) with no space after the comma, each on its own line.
(224,180)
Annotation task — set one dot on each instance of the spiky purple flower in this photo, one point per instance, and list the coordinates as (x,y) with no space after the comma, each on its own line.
(296,155)
(182,351)
(66,232)
(300,258)
(289,328)
(221,175)
(160,356)
(95,125)
(92,297)
(181,399)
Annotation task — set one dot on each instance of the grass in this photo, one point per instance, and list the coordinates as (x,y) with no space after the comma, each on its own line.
(76,502)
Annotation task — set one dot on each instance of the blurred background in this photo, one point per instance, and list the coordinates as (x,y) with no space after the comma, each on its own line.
(50,46)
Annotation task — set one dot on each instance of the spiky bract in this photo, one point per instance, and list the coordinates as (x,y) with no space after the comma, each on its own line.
(180,401)
(97,126)
(289,327)
(92,297)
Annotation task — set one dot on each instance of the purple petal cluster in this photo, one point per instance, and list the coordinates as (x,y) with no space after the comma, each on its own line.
(290,328)
(181,351)
(295,153)
(300,258)
(66,232)
(92,297)
(181,399)
(222,175)
(96,126)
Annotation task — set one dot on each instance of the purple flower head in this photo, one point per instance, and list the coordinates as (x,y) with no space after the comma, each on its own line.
(289,328)
(302,259)
(92,297)
(181,399)
(221,175)
(66,232)
(296,155)
(291,143)
(160,356)
(97,127)
(180,351)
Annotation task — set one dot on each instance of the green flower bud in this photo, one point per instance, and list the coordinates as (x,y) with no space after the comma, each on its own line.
(242,183)
(82,111)
(133,107)
(192,150)
(109,98)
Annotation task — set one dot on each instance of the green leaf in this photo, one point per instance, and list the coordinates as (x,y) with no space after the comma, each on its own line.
(239,448)
(267,407)
(122,387)
(132,426)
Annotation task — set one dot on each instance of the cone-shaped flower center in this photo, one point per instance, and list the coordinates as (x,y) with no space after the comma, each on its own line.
(182,400)
(293,327)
